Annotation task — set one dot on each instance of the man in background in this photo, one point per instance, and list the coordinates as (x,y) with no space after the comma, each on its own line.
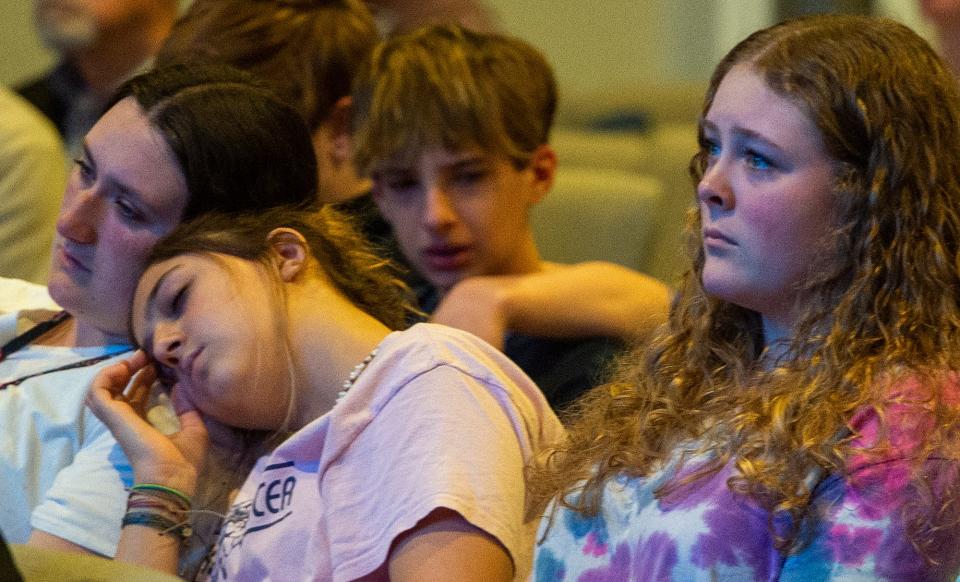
(101,43)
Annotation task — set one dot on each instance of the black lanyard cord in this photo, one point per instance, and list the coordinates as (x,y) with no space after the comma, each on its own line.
(29,336)
(80,364)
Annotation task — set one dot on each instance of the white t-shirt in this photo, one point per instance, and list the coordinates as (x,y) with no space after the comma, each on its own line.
(61,471)
(438,419)
(16,294)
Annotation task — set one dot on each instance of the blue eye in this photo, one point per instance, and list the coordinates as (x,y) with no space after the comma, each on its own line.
(709,147)
(758,161)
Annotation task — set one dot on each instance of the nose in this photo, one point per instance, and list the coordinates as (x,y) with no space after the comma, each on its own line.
(79,215)
(714,188)
(438,211)
(168,344)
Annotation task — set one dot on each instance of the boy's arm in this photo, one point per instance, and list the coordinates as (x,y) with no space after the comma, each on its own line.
(588,299)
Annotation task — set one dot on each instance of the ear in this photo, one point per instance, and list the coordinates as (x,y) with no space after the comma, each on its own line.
(289,252)
(543,167)
(338,128)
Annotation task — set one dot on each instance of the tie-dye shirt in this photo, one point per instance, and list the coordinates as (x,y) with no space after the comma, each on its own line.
(703,531)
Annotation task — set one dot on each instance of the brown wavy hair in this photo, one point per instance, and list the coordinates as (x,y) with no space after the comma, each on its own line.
(306,51)
(879,307)
(345,258)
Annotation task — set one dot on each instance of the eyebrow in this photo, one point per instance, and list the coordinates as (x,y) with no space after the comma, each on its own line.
(149,308)
(465,161)
(742,132)
(123,187)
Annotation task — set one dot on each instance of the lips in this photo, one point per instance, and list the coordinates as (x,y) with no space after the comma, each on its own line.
(186,365)
(69,261)
(447,257)
(714,237)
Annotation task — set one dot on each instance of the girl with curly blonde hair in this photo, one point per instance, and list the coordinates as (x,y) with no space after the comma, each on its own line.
(797,418)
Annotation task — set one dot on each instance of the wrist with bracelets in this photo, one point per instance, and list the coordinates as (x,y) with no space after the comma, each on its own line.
(159,507)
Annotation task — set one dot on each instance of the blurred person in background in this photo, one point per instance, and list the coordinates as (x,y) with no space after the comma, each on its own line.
(32,178)
(403,16)
(307,52)
(100,44)
(944,15)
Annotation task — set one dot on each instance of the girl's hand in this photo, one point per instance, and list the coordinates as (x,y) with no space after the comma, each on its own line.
(174,460)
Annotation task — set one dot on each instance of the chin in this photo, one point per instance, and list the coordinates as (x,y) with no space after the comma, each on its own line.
(62,291)
(716,284)
(728,289)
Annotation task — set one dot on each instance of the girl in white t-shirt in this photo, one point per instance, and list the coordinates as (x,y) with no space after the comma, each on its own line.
(407,454)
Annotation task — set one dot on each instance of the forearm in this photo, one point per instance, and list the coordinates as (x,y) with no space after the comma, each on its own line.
(149,547)
(561,301)
(164,498)
(588,299)
(139,545)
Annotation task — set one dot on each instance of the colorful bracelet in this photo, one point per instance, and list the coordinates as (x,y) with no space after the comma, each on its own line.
(147,487)
(159,522)
(138,500)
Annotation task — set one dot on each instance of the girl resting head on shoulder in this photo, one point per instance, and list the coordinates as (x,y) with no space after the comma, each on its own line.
(798,416)
(407,449)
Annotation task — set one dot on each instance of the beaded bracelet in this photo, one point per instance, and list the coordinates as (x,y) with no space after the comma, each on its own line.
(157,521)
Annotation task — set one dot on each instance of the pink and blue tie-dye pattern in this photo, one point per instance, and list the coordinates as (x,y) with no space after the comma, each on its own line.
(705,532)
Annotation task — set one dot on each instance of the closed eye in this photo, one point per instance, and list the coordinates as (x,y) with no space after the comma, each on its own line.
(176,304)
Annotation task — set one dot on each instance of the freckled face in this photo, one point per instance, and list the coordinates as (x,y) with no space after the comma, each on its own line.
(212,324)
(124,193)
(766,197)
